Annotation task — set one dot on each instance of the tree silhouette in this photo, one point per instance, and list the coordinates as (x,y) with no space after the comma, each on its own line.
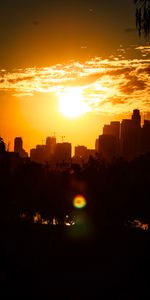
(2,146)
(143,17)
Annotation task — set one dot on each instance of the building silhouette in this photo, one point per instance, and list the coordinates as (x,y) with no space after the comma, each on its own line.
(51,152)
(62,153)
(18,147)
(18,144)
(112,129)
(38,154)
(80,152)
(50,147)
(131,136)
(107,147)
(145,137)
(128,139)
(97,145)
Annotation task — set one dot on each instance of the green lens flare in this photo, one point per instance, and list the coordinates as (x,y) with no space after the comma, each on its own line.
(79,202)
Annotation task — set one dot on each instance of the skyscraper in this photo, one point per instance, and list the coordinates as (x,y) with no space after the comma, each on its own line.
(18,145)
(80,151)
(62,152)
(113,129)
(131,136)
(136,118)
(145,137)
(50,146)
(107,147)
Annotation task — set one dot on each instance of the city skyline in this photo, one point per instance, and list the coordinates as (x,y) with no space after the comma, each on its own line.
(128,138)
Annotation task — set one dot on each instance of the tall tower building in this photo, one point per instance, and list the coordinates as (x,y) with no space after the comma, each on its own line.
(107,147)
(50,147)
(50,144)
(126,139)
(136,118)
(18,145)
(62,152)
(114,130)
(131,136)
(145,137)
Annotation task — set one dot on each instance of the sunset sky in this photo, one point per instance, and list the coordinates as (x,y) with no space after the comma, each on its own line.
(69,67)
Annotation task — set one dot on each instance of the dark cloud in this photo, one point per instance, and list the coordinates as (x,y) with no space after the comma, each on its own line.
(144,70)
(119,71)
(18,79)
(115,100)
(134,84)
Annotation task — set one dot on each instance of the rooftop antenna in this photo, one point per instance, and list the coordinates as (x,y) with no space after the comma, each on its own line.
(62,137)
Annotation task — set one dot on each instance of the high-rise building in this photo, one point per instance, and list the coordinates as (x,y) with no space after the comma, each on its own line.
(136,118)
(130,139)
(97,146)
(113,129)
(18,145)
(80,152)
(50,147)
(145,137)
(131,136)
(62,153)
(38,154)
(107,147)
(126,139)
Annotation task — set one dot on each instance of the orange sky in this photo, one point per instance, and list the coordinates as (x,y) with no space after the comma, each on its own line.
(110,88)
(48,48)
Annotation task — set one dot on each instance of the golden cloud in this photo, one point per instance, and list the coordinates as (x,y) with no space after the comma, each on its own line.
(113,85)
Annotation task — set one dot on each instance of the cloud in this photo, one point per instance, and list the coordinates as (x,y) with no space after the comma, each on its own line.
(113,85)
(144,49)
(19,79)
(134,84)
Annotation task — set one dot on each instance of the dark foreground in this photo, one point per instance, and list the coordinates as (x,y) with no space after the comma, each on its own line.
(41,262)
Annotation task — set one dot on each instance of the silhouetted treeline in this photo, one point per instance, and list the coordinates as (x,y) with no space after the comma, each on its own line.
(96,258)
(114,192)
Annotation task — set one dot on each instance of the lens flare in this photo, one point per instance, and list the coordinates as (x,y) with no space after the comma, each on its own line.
(79,202)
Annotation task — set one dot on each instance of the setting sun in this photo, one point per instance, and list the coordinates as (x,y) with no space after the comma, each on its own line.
(72,104)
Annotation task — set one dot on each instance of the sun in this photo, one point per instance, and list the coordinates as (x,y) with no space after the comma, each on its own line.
(71,103)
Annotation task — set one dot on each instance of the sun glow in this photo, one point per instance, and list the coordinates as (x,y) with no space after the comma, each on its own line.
(72,104)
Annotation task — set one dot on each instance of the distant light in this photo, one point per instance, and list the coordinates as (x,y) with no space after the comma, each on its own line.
(79,202)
